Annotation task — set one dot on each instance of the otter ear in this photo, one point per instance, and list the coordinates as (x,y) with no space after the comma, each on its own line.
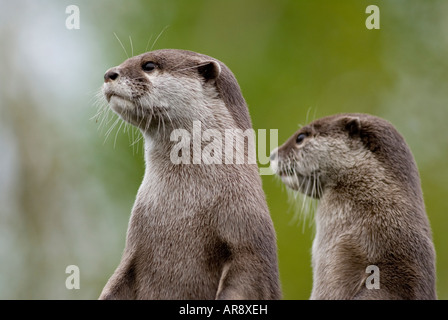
(352,125)
(210,70)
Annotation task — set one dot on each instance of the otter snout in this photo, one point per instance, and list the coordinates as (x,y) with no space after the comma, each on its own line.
(111,75)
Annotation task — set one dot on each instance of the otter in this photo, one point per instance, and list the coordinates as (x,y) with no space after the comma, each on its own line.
(370,214)
(196,231)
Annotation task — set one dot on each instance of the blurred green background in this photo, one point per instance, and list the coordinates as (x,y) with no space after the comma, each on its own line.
(66,191)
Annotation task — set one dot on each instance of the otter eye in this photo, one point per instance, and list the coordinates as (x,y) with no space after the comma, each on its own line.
(300,138)
(148,66)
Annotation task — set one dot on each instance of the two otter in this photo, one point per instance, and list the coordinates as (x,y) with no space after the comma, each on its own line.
(204,231)
(197,231)
(370,211)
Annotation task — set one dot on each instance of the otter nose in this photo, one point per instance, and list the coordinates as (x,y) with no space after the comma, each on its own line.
(111,75)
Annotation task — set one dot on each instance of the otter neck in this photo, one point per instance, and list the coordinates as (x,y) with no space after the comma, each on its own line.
(187,150)
(356,200)
(185,140)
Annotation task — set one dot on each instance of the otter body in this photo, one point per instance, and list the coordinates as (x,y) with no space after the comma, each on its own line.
(370,212)
(197,231)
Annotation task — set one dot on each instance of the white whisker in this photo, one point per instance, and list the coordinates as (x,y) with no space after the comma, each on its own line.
(121,45)
(132,47)
(147,43)
(116,134)
(155,41)
(111,129)
(304,200)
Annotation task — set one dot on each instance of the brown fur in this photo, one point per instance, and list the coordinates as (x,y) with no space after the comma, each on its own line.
(370,211)
(196,231)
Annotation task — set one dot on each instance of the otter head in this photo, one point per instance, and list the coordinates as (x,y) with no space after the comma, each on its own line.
(173,87)
(346,151)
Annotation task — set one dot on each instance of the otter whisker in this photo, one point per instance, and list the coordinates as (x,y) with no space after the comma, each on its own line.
(158,120)
(132,47)
(147,43)
(131,138)
(307,115)
(298,194)
(121,45)
(99,113)
(155,41)
(167,114)
(108,117)
(307,190)
(102,108)
(181,62)
(116,134)
(161,115)
(138,107)
(137,133)
(305,200)
(148,123)
(111,129)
